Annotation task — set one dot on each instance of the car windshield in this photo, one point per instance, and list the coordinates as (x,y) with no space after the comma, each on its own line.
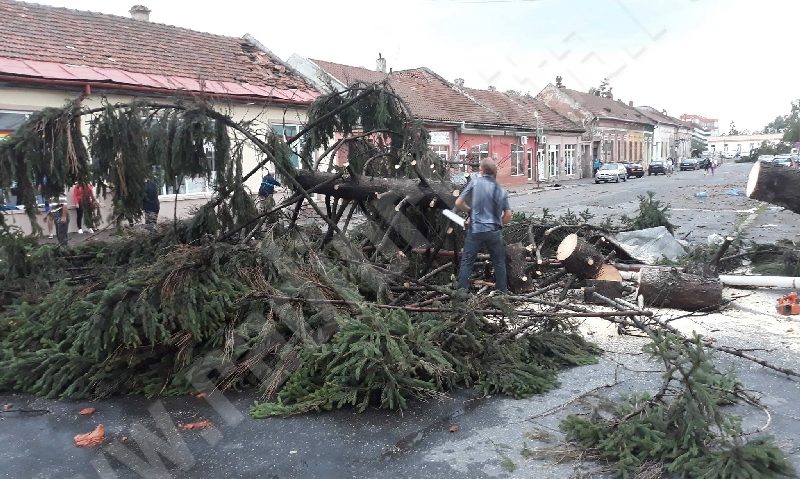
(609,166)
(657,163)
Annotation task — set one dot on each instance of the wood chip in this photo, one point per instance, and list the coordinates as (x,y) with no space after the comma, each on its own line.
(203,424)
(88,411)
(94,438)
(454,428)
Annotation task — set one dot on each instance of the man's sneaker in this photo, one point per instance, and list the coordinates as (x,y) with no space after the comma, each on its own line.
(90,230)
(80,231)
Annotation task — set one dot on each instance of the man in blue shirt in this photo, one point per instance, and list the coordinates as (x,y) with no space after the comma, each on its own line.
(487,205)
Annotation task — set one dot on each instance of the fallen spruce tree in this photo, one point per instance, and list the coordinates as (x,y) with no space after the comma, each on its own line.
(296,299)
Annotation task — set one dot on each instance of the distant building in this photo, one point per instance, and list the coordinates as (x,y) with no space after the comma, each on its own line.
(741,144)
(615,131)
(672,138)
(711,125)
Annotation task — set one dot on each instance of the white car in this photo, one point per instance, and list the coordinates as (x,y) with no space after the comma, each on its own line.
(611,172)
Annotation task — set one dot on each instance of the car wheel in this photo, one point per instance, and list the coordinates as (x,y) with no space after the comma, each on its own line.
(648,173)
(597,182)
(625,179)
(616,180)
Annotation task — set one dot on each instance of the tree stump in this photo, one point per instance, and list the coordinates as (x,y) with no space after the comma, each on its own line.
(517,267)
(777,185)
(669,288)
(579,257)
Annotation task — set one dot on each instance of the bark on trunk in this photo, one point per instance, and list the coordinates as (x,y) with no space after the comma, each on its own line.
(669,288)
(609,289)
(365,188)
(774,184)
(579,257)
(517,268)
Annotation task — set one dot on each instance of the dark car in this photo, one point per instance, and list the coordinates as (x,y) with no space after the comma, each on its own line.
(634,169)
(689,164)
(703,162)
(658,167)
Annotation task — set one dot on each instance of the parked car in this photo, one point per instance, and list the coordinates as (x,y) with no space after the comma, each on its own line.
(611,172)
(689,164)
(782,160)
(659,167)
(728,154)
(766,158)
(703,162)
(634,169)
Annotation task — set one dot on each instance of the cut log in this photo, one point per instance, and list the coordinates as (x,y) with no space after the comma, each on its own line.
(609,289)
(517,268)
(366,188)
(579,257)
(669,288)
(777,185)
(609,273)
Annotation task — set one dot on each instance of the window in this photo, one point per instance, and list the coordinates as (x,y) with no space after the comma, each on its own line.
(10,121)
(288,131)
(478,153)
(552,164)
(517,156)
(441,150)
(193,185)
(569,159)
(540,163)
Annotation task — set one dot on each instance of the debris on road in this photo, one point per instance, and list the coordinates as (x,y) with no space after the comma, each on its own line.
(202,424)
(87,411)
(90,439)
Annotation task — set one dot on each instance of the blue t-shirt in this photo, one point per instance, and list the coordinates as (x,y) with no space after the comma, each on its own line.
(488,201)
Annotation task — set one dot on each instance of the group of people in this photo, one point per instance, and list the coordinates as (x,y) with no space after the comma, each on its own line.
(86,206)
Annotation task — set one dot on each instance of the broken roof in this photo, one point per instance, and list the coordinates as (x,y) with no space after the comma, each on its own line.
(660,117)
(43,42)
(520,109)
(602,107)
(429,96)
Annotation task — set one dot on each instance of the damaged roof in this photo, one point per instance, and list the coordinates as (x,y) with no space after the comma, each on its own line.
(602,107)
(70,45)
(520,109)
(660,117)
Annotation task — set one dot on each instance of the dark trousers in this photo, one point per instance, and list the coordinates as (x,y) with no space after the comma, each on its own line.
(79,212)
(473,244)
(61,231)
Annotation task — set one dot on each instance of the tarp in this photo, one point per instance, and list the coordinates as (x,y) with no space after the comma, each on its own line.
(649,245)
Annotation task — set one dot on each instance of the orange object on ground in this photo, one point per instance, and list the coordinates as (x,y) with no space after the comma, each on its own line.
(87,411)
(93,438)
(196,425)
(788,304)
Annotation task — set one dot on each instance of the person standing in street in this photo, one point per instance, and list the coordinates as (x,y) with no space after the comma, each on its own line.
(488,208)
(596,164)
(150,205)
(83,199)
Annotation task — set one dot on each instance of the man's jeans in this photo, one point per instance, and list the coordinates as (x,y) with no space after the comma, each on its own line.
(474,242)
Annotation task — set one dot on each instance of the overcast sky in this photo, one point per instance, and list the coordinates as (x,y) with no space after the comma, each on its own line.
(728,59)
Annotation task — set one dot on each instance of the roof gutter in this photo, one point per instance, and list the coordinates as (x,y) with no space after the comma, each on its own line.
(87,86)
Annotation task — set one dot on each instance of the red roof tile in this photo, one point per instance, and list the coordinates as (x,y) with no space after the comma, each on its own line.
(603,107)
(658,117)
(429,96)
(520,109)
(61,43)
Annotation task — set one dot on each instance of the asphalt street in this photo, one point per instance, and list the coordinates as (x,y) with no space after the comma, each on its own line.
(144,439)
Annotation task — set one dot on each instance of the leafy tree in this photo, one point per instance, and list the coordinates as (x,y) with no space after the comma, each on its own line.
(604,90)
(791,134)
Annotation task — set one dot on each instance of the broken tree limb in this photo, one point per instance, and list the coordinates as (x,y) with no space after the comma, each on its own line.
(662,287)
(579,257)
(609,289)
(366,188)
(777,185)
(714,264)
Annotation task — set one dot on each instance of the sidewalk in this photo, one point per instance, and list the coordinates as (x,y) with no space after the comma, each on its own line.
(536,187)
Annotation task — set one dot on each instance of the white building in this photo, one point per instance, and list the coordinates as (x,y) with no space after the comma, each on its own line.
(741,144)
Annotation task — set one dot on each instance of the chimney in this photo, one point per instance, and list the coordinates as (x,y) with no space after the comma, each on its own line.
(492,88)
(459,82)
(381,64)
(630,103)
(140,12)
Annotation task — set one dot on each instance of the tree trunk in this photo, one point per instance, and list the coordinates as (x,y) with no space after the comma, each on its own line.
(366,188)
(579,257)
(517,268)
(774,184)
(669,288)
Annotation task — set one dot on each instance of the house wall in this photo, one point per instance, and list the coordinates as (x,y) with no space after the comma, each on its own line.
(32,99)
(499,148)
(740,143)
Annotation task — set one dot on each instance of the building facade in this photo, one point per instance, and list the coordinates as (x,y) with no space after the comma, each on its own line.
(53,55)
(711,125)
(672,138)
(740,145)
(614,131)
(466,124)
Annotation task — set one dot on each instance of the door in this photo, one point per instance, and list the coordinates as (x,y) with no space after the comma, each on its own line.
(530,165)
